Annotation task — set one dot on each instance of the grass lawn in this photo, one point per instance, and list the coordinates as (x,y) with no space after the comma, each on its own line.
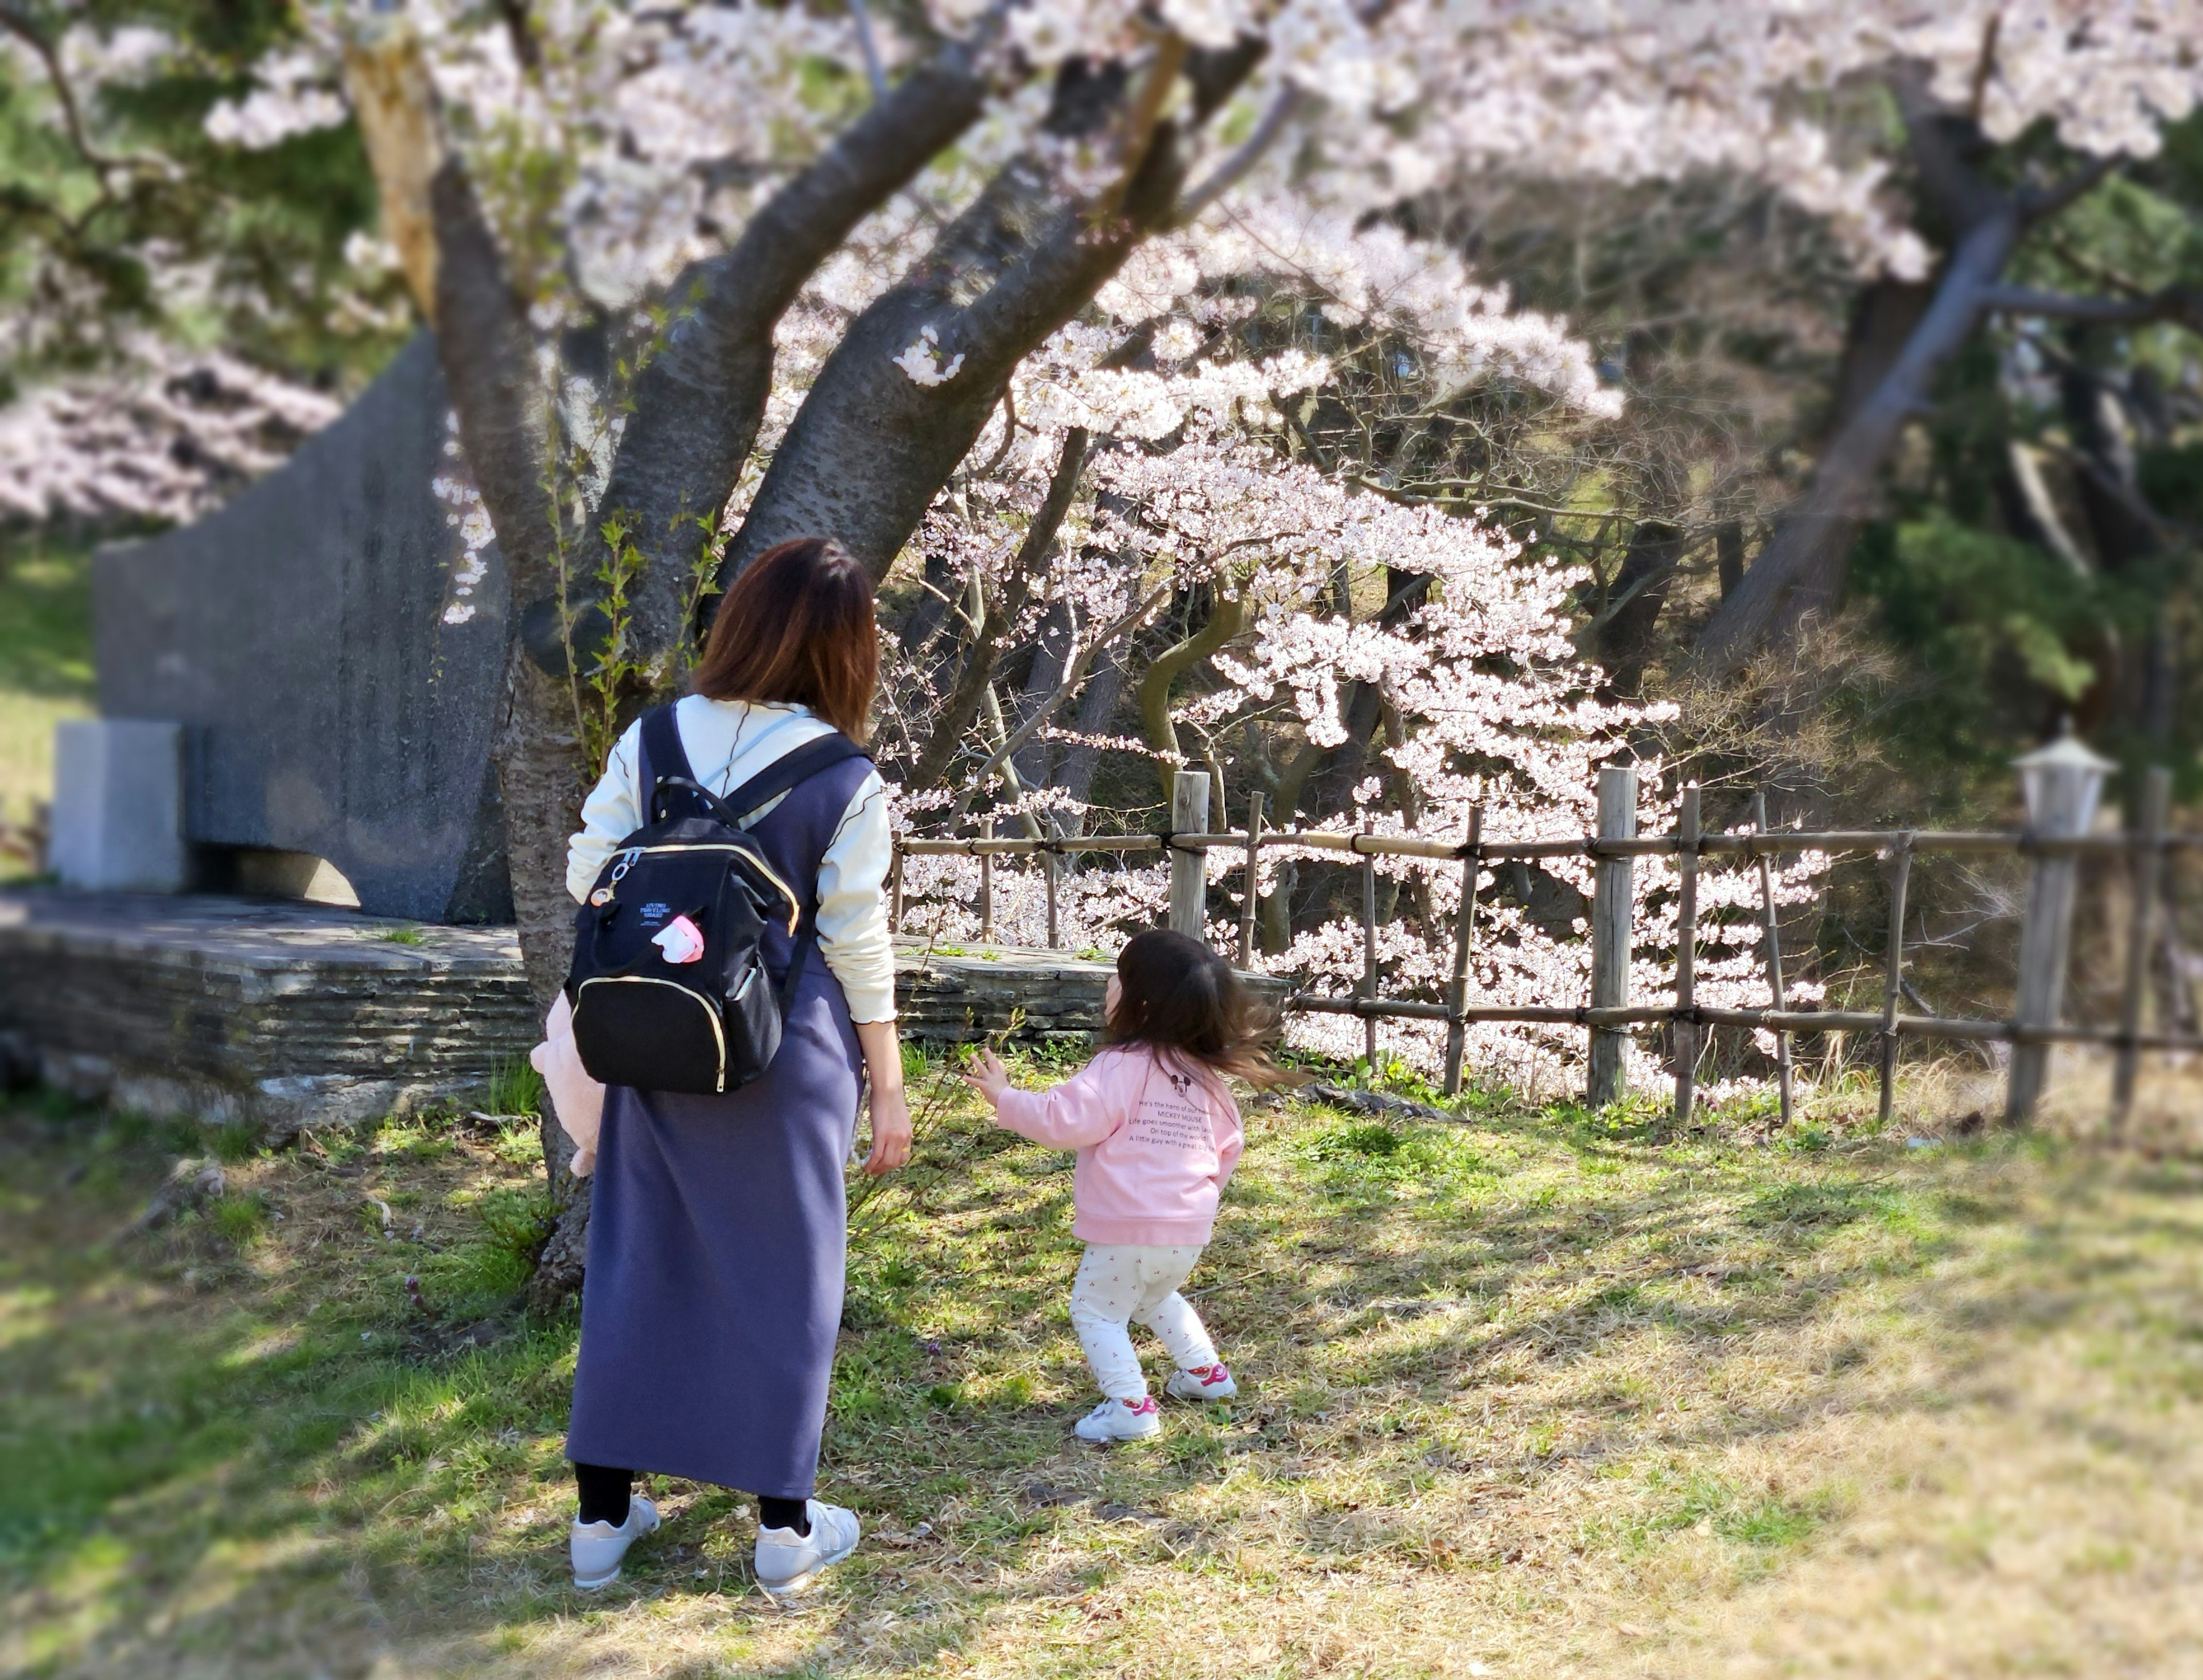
(45,666)
(1530,1395)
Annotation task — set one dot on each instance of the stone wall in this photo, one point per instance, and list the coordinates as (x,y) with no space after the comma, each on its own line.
(282,1014)
(271,1014)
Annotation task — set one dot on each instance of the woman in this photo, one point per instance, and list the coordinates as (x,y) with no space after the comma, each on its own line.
(716,1231)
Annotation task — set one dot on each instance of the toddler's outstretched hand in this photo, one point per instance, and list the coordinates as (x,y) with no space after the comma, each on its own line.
(985,1074)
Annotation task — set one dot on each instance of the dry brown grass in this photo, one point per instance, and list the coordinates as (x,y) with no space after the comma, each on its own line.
(1535,1395)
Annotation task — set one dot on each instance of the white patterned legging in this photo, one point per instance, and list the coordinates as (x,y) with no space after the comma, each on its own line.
(1124,1283)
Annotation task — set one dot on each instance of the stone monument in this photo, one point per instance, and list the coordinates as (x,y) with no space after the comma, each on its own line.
(331,706)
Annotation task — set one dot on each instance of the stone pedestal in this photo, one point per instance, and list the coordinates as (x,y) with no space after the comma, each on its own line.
(118,823)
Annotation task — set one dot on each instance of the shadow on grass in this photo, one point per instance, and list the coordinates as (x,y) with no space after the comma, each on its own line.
(258,1469)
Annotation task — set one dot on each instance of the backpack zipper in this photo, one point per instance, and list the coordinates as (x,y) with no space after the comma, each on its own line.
(794,909)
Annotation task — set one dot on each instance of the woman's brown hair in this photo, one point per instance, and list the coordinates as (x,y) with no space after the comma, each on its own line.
(1179,998)
(798,626)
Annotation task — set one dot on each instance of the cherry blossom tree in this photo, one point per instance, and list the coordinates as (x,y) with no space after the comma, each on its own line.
(1041,307)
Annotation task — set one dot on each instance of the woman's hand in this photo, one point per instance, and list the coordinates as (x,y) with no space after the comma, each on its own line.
(985,1074)
(890,1131)
(890,1108)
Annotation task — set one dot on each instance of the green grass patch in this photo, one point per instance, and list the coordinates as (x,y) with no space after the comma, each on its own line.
(1490,1371)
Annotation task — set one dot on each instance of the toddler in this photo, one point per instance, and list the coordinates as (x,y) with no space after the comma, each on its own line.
(1157,1135)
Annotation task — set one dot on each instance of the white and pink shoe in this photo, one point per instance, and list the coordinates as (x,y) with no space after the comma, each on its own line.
(1120,1420)
(1202,1382)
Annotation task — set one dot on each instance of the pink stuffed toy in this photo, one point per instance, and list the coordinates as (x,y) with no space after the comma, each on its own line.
(579,1099)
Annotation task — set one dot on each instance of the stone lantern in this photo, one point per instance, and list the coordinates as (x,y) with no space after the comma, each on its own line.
(2063,783)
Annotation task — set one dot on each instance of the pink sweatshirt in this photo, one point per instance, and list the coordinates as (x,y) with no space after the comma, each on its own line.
(1155,1146)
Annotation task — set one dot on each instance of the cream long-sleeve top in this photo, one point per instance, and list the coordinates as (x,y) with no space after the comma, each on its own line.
(727,741)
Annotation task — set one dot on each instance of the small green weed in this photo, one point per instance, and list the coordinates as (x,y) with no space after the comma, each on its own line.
(1374,1138)
(516,1088)
(481,1275)
(235,1142)
(237,1219)
(408,935)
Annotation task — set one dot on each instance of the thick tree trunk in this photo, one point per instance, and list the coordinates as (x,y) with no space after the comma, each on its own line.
(871,446)
(1801,570)
(1640,587)
(539,776)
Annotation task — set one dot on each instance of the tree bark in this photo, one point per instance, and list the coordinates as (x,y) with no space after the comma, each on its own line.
(1801,570)
(1224,621)
(698,402)
(871,446)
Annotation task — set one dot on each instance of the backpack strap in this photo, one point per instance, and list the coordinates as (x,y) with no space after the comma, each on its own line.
(661,754)
(776,779)
(785,771)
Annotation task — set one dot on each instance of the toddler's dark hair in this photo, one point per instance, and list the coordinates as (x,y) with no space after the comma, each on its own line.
(1179,997)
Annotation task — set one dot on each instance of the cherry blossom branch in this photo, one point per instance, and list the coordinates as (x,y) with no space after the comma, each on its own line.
(102,163)
(980,659)
(1074,674)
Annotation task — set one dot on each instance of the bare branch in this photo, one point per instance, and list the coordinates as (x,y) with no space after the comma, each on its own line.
(964,700)
(1229,173)
(2181,303)
(874,72)
(1140,121)
(1984,67)
(102,163)
(1154,693)
(2045,202)
(1074,675)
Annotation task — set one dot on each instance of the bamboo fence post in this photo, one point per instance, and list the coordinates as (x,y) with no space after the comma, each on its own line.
(2148,862)
(1189,865)
(894,889)
(2062,782)
(1892,974)
(1612,911)
(987,885)
(1369,956)
(1246,909)
(1050,864)
(1774,927)
(1686,955)
(1464,943)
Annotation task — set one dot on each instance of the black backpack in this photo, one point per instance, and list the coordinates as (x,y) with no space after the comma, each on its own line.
(669,986)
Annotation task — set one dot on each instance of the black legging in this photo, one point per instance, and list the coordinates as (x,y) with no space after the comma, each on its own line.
(605,1494)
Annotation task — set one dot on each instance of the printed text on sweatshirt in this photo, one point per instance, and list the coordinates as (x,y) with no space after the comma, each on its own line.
(1155,1141)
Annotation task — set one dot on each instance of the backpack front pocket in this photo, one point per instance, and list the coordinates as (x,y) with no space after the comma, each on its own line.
(650,1034)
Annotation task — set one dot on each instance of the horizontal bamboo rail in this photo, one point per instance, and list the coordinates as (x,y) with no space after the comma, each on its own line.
(2031,1030)
(1779,842)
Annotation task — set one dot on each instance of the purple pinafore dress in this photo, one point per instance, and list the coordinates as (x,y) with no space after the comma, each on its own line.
(719,1228)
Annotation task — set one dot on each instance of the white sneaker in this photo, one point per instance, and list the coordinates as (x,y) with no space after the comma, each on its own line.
(788,1562)
(1202,1382)
(1120,1420)
(596,1549)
